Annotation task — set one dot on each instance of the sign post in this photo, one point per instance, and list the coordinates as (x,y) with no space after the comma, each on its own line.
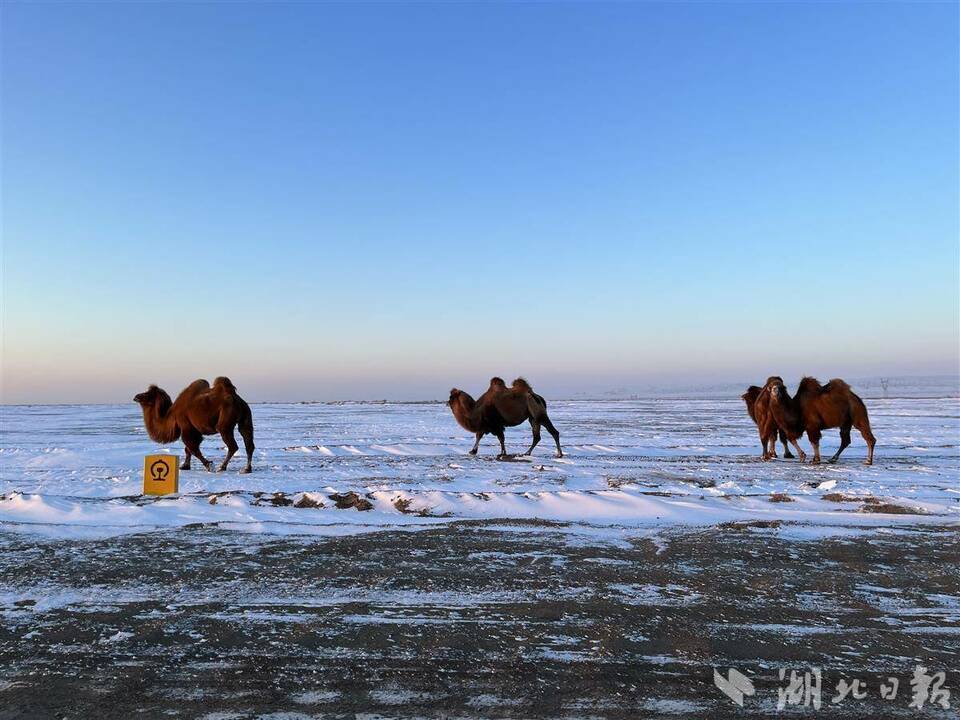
(161,474)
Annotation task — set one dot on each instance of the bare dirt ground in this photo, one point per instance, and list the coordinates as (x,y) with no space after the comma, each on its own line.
(470,620)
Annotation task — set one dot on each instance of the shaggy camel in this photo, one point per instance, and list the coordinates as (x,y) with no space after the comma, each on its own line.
(199,410)
(817,407)
(758,406)
(502,407)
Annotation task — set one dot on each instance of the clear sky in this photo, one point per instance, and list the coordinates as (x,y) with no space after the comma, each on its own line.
(329,201)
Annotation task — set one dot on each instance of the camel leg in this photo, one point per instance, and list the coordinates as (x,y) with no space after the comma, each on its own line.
(535,426)
(814,437)
(503,446)
(769,446)
(787,455)
(476,445)
(226,432)
(800,453)
(844,442)
(870,440)
(545,421)
(186,460)
(246,432)
(192,440)
(763,445)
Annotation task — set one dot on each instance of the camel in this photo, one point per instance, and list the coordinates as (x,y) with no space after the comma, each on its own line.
(817,407)
(199,410)
(757,400)
(502,407)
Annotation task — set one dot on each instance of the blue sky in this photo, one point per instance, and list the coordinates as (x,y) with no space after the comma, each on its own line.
(329,201)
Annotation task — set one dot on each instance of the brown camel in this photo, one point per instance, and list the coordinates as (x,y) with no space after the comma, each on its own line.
(199,410)
(758,406)
(502,407)
(817,407)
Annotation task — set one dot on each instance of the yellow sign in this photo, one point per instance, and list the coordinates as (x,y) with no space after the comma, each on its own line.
(161,474)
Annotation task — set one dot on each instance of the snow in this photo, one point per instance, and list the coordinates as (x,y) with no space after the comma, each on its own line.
(118,636)
(629,466)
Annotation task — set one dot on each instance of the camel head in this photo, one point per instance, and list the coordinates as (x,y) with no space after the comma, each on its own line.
(460,400)
(778,391)
(149,397)
(455,394)
(153,399)
(155,404)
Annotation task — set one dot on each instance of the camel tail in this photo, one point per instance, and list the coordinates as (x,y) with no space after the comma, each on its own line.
(750,398)
(858,413)
(245,419)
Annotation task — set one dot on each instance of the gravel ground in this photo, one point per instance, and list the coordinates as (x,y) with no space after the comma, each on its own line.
(471,620)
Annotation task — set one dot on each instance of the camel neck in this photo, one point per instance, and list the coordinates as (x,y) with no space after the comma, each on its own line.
(466,411)
(791,412)
(160,423)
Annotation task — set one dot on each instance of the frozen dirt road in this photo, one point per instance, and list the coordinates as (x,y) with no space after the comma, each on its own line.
(471,619)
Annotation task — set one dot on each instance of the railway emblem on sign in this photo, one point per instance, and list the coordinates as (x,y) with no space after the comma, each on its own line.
(161,474)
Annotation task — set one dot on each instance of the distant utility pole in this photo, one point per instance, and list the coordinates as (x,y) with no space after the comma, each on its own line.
(885,383)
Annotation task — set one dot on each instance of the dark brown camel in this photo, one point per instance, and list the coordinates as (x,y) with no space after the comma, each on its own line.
(502,407)
(757,400)
(199,410)
(817,407)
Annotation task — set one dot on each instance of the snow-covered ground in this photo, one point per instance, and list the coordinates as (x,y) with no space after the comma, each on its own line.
(610,583)
(76,470)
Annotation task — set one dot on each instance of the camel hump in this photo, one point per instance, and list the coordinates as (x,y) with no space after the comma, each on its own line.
(225,384)
(809,384)
(836,384)
(497,382)
(197,386)
(521,384)
(751,395)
